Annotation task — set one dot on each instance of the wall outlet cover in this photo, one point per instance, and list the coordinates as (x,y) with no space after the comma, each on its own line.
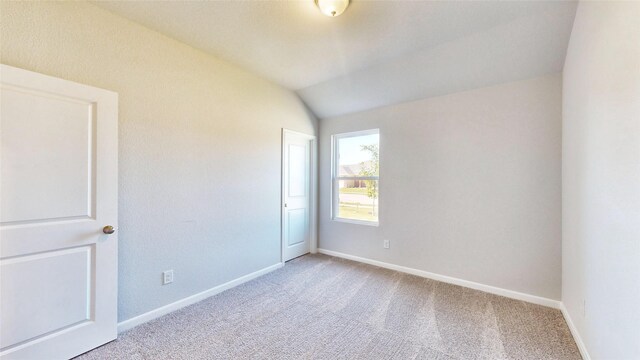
(167,277)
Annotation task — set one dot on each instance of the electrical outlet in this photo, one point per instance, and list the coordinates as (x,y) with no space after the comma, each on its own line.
(385,244)
(167,277)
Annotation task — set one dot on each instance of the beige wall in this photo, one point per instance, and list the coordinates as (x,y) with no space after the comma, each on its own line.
(601,179)
(469,186)
(199,146)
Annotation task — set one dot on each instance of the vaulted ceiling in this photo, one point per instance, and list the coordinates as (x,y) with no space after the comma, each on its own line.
(378,52)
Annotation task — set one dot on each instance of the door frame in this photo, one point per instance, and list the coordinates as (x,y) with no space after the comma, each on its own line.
(313,190)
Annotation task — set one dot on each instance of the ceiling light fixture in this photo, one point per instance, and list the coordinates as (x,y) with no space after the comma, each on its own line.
(332,8)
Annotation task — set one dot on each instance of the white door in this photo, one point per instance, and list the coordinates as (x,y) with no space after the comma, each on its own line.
(296,193)
(58,191)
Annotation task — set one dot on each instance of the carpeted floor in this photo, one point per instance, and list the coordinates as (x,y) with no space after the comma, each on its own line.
(320,307)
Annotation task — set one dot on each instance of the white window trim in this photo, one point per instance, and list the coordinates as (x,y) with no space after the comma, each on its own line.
(335,178)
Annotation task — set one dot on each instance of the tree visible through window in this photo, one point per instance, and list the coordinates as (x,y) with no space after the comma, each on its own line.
(356,176)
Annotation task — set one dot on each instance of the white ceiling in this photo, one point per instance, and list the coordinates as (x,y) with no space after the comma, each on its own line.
(378,52)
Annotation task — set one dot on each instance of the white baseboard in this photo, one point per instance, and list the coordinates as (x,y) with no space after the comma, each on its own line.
(575,333)
(148,316)
(451,280)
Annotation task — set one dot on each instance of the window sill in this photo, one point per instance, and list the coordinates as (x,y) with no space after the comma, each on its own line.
(357,222)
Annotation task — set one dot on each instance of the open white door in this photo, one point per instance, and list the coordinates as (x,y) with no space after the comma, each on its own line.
(297,194)
(58,192)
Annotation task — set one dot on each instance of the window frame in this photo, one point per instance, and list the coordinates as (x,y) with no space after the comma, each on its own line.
(335,178)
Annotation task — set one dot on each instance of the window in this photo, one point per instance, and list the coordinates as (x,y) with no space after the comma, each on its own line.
(356,165)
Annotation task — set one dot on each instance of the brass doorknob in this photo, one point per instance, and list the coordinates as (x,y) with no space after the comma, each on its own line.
(108,229)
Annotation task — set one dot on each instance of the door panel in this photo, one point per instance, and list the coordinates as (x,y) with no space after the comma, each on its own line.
(298,224)
(296,191)
(35,147)
(58,187)
(64,276)
(297,173)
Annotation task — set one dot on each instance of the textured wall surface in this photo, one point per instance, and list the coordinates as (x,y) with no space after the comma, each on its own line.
(601,179)
(199,154)
(469,186)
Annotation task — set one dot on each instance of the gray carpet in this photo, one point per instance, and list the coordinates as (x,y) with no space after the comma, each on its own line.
(320,307)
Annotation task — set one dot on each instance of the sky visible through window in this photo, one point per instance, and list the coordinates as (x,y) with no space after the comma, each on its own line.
(351,149)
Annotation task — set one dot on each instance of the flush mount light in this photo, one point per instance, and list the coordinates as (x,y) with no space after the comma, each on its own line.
(332,8)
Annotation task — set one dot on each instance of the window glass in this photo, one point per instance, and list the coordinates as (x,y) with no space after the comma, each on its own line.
(356,176)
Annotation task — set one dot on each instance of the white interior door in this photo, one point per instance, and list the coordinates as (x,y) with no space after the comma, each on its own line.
(58,190)
(296,193)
